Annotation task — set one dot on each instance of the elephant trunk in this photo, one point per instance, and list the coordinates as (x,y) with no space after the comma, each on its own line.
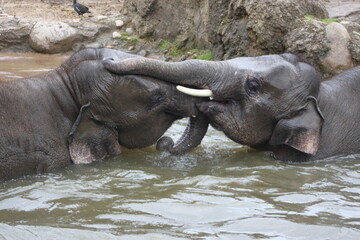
(198,73)
(191,138)
(185,106)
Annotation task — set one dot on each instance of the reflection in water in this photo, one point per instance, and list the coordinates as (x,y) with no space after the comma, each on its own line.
(13,66)
(219,191)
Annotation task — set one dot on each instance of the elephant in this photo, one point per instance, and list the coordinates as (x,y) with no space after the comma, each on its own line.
(276,103)
(80,113)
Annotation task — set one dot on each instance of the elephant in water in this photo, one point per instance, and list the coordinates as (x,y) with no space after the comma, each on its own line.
(275,103)
(80,112)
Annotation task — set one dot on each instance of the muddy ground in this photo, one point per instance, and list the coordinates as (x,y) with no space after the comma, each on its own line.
(59,10)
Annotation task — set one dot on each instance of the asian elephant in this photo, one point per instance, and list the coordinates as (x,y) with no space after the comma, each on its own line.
(80,112)
(275,102)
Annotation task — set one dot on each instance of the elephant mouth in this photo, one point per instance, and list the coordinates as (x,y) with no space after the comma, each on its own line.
(212,108)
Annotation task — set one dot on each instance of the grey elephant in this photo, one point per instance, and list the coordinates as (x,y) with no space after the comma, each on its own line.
(80,113)
(275,103)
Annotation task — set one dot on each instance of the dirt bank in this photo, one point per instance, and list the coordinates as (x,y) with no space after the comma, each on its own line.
(59,10)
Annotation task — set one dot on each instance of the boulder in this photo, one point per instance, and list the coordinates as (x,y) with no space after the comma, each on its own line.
(331,47)
(14,32)
(353,29)
(349,9)
(129,30)
(229,27)
(53,37)
(116,35)
(263,25)
(308,41)
(119,23)
(338,58)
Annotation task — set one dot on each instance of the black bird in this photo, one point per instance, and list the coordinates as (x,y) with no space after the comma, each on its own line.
(80,9)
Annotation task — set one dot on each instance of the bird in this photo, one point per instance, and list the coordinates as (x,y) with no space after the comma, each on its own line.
(80,9)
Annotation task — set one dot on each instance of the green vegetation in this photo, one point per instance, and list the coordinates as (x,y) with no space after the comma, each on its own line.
(124,38)
(164,45)
(124,34)
(202,54)
(328,20)
(133,40)
(174,50)
(205,55)
(309,17)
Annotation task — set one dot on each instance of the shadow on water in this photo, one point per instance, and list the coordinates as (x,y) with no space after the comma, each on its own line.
(220,190)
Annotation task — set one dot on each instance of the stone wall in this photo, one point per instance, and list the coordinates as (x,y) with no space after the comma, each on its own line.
(233,28)
(230,27)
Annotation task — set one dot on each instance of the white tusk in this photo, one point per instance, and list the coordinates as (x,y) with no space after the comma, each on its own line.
(195,92)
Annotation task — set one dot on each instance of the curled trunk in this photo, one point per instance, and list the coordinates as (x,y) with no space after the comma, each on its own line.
(197,73)
(191,138)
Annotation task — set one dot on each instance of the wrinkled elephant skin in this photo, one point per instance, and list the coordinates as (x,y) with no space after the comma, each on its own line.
(275,102)
(81,112)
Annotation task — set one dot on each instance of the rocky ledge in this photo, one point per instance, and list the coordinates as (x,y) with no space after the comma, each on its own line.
(26,34)
(233,28)
(325,33)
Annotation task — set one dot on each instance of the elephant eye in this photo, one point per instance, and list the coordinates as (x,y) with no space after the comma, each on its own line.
(253,85)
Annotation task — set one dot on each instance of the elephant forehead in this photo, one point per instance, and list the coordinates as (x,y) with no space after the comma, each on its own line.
(141,84)
(274,69)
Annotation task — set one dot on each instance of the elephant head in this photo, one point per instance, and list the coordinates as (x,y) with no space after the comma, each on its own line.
(264,102)
(132,111)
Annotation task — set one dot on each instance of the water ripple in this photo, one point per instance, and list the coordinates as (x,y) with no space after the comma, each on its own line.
(220,190)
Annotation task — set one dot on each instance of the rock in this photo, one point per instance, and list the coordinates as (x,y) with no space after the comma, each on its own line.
(328,46)
(344,8)
(143,53)
(14,33)
(338,57)
(89,29)
(101,17)
(183,58)
(53,37)
(230,28)
(1,11)
(131,48)
(308,41)
(119,23)
(116,35)
(258,27)
(129,31)
(93,45)
(353,29)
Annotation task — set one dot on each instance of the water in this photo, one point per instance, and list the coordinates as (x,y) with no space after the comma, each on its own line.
(221,190)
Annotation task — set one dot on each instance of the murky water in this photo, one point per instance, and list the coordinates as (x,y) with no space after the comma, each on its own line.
(221,190)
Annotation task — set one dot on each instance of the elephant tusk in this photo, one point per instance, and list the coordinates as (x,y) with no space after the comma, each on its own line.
(195,92)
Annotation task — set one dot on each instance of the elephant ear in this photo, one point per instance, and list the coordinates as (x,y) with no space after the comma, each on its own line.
(90,140)
(301,131)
